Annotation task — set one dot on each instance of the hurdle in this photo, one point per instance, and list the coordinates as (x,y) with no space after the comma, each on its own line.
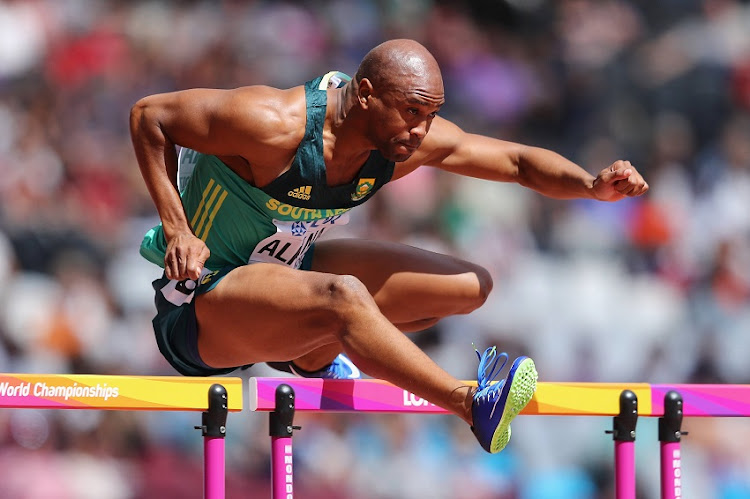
(281,397)
(215,397)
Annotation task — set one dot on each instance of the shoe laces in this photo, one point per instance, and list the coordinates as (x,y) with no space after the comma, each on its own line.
(487,371)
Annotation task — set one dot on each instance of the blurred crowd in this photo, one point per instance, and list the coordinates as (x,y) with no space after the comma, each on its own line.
(654,289)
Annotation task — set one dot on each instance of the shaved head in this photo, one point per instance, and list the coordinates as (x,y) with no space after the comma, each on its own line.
(396,93)
(391,62)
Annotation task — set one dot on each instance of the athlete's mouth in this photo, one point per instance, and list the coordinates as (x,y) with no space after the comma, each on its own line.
(409,147)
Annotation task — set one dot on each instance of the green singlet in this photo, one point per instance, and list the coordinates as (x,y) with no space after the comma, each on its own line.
(278,223)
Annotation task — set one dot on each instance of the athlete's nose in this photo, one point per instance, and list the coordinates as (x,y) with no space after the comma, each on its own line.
(419,131)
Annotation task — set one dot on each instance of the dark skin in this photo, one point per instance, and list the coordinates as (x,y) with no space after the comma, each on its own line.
(354,298)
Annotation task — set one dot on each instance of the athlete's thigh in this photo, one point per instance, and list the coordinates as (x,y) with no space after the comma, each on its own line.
(263,312)
(407,283)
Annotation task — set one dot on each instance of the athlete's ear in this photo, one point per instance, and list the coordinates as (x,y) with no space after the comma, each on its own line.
(364,92)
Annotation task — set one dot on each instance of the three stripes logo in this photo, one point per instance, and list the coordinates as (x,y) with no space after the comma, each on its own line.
(213,197)
(302,193)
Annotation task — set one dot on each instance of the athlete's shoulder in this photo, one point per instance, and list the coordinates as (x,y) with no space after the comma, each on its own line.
(274,114)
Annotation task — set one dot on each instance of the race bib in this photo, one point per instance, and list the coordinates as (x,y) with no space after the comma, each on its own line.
(180,292)
(292,240)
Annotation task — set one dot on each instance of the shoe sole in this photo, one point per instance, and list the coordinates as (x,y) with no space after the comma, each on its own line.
(520,386)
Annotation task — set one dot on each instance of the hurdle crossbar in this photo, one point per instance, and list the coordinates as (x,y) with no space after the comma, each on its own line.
(91,391)
(625,402)
(550,399)
(214,396)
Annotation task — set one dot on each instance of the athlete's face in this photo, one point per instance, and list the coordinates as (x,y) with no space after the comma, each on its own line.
(403,114)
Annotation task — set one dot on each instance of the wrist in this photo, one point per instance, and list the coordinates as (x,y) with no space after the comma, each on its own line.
(590,185)
(172,229)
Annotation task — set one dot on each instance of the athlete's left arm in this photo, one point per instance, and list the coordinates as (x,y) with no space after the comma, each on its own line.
(449,148)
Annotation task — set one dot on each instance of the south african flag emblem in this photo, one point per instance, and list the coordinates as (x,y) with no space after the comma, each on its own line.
(363,188)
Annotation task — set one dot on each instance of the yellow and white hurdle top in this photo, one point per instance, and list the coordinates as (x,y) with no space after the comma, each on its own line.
(91,391)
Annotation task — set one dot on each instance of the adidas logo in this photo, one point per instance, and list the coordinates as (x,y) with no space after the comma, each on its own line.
(302,193)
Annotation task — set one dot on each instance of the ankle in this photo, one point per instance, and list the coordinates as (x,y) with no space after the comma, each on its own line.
(468,403)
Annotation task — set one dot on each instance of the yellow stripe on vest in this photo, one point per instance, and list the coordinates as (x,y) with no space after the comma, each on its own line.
(202,203)
(213,215)
(207,206)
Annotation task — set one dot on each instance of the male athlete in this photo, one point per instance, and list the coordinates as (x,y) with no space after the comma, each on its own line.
(268,171)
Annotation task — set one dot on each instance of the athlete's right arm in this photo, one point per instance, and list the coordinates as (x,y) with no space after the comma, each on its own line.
(220,122)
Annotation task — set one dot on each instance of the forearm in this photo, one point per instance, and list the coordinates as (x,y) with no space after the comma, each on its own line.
(552,175)
(157,160)
(501,161)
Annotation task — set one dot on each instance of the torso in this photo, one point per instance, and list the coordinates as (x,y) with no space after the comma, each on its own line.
(263,170)
(243,220)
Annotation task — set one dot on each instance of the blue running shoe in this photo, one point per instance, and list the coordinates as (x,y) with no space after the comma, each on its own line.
(496,404)
(341,368)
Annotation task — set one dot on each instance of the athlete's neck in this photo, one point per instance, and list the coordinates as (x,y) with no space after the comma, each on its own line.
(341,101)
(345,147)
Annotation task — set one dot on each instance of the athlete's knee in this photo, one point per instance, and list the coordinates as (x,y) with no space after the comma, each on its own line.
(483,280)
(348,298)
(485,283)
(347,290)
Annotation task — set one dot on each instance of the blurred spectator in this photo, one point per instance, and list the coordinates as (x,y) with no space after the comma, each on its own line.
(664,84)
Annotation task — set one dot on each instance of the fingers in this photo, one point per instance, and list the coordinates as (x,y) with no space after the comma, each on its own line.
(185,258)
(171,266)
(617,171)
(633,185)
(183,267)
(194,266)
(625,179)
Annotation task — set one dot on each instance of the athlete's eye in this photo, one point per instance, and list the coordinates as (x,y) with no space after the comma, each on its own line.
(413,110)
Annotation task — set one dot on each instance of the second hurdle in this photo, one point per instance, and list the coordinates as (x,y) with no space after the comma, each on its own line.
(624,402)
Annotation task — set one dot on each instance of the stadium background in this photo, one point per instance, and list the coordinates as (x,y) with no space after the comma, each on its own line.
(653,289)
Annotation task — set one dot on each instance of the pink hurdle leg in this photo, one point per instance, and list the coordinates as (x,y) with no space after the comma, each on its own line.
(670,434)
(623,433)
(281,429)
(282,477)
(671,471)
(214,471)
(214,430)
(625,470)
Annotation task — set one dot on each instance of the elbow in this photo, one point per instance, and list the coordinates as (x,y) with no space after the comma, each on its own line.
(138,115)
(522,178)
(144,117)
(523,174)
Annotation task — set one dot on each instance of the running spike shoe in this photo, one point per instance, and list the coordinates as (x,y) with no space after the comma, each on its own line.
(341,368)
(496,404)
